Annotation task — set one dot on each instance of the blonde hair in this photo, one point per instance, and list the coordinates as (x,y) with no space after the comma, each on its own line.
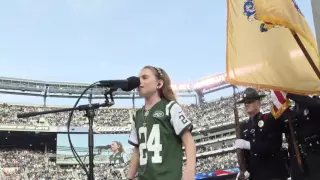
(120,149)
(165,91)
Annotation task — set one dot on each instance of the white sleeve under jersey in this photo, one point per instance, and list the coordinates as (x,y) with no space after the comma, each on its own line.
(133,138)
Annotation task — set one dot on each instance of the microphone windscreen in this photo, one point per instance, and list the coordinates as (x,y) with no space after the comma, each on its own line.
(133,82)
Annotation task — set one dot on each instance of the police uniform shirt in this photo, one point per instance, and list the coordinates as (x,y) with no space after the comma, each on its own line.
(264,159)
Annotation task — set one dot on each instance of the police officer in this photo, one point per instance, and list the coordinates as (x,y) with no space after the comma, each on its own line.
(261,138)
(306,125)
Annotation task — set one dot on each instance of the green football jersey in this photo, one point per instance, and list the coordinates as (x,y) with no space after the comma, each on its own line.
(116,158)
(157,133)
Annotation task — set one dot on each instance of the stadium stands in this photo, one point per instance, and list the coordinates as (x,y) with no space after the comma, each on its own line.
(208,114)
(214,147)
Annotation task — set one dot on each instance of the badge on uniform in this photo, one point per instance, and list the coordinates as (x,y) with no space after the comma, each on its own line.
(260,123)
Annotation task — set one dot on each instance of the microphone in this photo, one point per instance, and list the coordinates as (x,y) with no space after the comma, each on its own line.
(126,85)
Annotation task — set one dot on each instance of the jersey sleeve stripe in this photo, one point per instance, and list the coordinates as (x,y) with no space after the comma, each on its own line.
(133,144)
(168,106)
(188,127)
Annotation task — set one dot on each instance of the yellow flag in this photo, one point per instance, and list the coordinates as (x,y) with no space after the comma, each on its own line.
(262,52)
(284,13)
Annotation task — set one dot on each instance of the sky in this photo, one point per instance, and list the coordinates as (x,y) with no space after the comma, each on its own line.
(85,41)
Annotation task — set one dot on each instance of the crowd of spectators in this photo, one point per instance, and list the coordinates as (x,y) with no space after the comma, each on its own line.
(208,148)
(29,164)
(219,111)
(213,113)
(104,116)
(221,162)
(32,165)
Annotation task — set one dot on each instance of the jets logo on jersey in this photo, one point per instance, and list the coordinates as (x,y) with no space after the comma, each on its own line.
(158,114)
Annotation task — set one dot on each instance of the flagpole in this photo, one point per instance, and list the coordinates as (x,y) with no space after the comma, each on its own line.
(306,54)
(240,153)
(295,145)
(316,70)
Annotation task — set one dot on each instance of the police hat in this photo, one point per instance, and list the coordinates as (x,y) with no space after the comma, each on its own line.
(250,94)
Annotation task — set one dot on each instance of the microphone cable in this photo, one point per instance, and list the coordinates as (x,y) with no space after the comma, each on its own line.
(134,113)
(133,105)
(73,150)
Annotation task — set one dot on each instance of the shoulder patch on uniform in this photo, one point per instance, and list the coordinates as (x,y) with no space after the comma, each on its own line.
(158,114)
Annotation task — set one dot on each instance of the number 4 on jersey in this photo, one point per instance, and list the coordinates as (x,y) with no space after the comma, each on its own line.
(152,144)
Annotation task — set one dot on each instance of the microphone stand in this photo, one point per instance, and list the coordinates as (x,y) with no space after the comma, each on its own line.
(90,114)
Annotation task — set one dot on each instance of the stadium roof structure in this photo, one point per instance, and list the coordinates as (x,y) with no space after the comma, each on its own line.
(73,90)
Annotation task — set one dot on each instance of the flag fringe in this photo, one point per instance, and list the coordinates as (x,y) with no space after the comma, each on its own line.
(280,111)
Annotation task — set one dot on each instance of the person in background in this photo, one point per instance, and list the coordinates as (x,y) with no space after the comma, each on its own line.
(117,156)
(306,125)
